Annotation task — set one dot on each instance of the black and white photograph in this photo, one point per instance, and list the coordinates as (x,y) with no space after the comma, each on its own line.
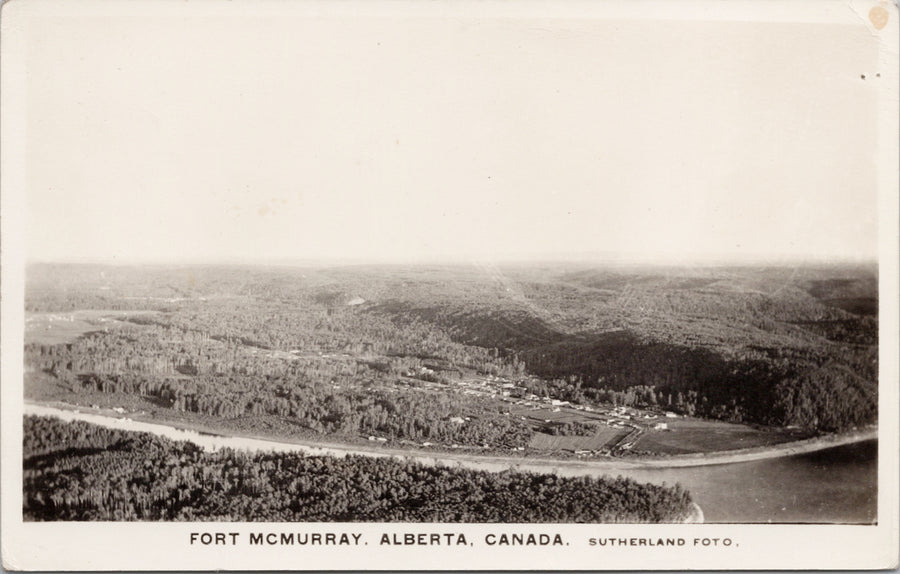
(449,284)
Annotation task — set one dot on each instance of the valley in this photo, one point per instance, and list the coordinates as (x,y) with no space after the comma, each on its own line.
(608,366)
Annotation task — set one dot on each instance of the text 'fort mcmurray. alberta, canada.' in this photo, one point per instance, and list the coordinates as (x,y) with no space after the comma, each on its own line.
(385,539)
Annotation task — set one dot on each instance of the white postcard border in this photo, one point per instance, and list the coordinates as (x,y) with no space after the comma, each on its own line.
(146,546)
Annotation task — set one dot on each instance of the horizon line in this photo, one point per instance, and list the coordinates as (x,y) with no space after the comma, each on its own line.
(598,258)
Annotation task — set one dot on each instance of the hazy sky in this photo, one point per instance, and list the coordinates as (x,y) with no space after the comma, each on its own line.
(254,134)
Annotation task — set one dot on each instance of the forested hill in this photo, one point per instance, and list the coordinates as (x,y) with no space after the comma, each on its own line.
(780,346)
(792,345)
(79,471)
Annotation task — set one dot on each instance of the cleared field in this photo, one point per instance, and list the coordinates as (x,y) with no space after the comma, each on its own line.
(60,328)
(605,436)
(564,415)
(692,436)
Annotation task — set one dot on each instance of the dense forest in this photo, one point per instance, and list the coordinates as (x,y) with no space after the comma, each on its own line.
(342,396)
(77,471)
(389,351)
(771,346)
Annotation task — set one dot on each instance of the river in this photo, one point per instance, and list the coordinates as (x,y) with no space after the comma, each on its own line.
(833,485)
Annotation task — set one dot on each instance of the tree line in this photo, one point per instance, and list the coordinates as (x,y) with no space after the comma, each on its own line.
(414,415)
(76,471)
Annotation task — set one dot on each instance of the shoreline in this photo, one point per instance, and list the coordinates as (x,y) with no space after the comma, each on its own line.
(696,516)
(478,461)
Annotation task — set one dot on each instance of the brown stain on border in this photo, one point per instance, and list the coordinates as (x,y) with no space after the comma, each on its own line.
(878,16)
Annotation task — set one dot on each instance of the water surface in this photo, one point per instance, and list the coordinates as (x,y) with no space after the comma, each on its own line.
(835,485)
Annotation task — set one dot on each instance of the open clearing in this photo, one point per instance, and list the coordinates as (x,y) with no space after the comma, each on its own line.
(687,436)
(681,436)
(605,437)
(60,328)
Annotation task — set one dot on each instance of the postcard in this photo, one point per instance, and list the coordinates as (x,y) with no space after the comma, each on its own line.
(403,285)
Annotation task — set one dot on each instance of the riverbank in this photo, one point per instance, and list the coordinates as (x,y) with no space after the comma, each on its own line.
(213,438)
(696,516)
(784,486)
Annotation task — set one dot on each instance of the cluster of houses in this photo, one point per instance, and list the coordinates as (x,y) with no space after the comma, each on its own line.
(514,393)
(618,416)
